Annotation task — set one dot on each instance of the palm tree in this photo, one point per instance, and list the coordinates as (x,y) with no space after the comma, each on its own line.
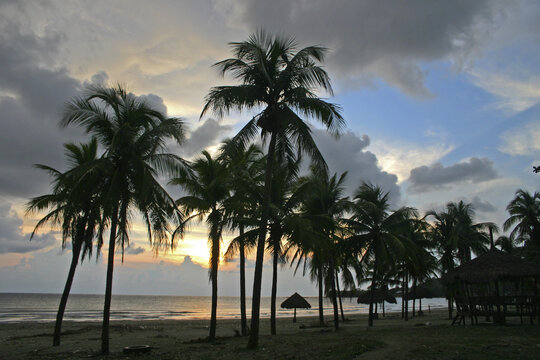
(325,206)
(281,83)
(377,236)
(245,169)
(456,236)
(133,135)
(74,206)
(524,212)
(208,189)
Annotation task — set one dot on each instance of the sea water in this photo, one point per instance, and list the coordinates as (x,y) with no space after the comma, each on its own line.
(43,307)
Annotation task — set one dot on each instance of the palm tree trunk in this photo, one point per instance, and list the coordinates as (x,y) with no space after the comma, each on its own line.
(67,288)
(414,297)
(215,237)
(257,278)
(406,296)
(214,278)
(274,289)
(334,295)
(108,285)
(339,297)
(372,296)
(320,281)
(243,318)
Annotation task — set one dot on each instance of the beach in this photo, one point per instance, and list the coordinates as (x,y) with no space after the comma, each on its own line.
(427,337)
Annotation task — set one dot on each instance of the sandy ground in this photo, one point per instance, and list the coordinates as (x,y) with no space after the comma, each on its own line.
(426,337)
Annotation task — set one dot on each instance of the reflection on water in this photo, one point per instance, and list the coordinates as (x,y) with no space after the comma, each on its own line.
(43,307)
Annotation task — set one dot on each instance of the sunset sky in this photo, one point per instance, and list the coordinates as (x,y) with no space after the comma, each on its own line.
(441,101)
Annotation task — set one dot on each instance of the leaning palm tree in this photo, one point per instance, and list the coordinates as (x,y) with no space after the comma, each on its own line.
(280,82)
(377,239)
(524,212)
(207,191)
(74,206)
(133,135)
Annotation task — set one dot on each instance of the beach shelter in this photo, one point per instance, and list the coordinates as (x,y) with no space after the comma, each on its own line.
(294,302)
(496,284)
(432,288)
(380,296)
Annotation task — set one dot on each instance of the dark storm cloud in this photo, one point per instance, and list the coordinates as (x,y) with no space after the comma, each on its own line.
(205,135)
(12,240)
(426,178)
(31,99)
(389,39)
(348,153)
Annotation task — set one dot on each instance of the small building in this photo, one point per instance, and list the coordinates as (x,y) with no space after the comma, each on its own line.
(496,285)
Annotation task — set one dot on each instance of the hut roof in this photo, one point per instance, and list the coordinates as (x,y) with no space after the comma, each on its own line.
(380,295)
(433,288)
(493,265)
(296,301)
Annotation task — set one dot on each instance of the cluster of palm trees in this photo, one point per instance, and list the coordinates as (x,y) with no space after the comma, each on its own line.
(260,195)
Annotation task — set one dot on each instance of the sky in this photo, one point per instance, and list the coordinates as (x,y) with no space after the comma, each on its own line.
(441,101)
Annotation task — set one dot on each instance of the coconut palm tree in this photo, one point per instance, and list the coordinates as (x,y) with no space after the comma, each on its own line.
(74,206)
(524,218)
(279,82)
(207,191)
(377,236)
(245,170)
(325,205)
(457,236)
(133,135)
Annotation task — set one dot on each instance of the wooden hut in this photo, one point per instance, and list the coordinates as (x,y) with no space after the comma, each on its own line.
(294,302)
(495,284)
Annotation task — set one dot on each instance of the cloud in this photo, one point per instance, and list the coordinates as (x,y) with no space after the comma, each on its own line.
(387,39)
(133,249)
(514,94)
(12,239)
(522,141)
(482,206)
(207,134)
(348,153)
(436,176)
(401,157)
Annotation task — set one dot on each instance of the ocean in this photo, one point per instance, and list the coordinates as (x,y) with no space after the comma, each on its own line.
(43,307)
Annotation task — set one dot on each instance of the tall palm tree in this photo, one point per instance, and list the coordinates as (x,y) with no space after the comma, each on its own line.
(524,210)
(377,231)
(207,191)
(245,169)
(325,206)
(133,135)
(280,82)
(74,206)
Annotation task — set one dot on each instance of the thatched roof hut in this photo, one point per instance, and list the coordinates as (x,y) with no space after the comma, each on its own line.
(380,295)
(433,288)
(295,301)
(494,265)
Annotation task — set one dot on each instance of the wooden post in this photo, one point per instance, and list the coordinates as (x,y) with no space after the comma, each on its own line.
(294,318)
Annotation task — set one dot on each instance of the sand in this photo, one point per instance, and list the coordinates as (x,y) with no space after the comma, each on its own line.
(426,337)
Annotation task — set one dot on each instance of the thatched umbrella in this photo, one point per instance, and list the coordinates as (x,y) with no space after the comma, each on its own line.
(294,302)
(380,296)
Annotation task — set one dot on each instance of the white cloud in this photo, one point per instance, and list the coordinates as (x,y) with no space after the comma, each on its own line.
(522,141)
(514,94)
(401,157)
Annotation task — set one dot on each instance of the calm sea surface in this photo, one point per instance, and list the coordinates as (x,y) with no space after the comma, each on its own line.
(43,307)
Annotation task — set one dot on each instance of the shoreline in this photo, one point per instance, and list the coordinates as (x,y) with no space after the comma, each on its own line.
(391,337)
